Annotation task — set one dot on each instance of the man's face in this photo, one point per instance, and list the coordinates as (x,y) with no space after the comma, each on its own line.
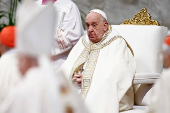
(24,63)
(96,27)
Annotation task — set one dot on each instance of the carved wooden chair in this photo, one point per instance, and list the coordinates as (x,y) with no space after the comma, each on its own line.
(145,37)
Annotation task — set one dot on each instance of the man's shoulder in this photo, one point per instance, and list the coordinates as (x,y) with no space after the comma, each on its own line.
(79,42)
(115,38)
(118,38)
(120,42)
(83,36)
(8,59)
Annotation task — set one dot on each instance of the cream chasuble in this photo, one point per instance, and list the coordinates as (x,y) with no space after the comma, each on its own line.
(108,72)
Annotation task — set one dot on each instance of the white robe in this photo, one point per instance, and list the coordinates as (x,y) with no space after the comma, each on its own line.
(9,73)
(160,99)
(68,29)
(112,76)
(41,91)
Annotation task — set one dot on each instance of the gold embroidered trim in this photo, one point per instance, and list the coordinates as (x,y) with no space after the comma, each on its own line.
(129,47)
(79,62)
(88,72)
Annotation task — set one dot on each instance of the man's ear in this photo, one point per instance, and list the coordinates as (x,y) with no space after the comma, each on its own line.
(105,26)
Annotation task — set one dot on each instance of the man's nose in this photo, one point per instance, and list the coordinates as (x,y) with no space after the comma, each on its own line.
(90,28)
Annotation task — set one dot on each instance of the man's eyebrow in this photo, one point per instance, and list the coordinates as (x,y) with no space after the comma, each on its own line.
(91,23)
(94,22)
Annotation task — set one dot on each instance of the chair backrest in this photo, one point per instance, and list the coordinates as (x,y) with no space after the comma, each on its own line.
(146,42)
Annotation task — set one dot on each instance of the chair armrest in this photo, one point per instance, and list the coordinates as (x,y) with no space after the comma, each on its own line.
(146,78)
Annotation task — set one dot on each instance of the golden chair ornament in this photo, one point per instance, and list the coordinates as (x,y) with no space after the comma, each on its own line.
(141,18)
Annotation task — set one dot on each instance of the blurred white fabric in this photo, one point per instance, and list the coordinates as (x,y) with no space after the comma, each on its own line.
(9,73)
(40,89)
(35,33)
(160,96)
(38,92)
(68,30)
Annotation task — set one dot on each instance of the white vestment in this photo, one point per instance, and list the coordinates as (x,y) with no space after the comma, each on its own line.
(160,101)
(41,91)
(108,72)
(9,73)
(68,29)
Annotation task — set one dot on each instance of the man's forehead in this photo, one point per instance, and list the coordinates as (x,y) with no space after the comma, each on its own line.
(92,16)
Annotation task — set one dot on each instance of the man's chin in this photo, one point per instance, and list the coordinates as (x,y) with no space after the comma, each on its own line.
(92,39)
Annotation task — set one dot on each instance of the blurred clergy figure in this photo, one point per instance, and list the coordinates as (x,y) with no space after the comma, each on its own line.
(9,69)
(68,29)
(160,101)
(40,89)
(102,64)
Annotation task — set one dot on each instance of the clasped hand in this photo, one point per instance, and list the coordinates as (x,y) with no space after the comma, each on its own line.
(77,77)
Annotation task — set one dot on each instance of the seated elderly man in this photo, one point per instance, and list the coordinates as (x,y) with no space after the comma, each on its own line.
(102,64)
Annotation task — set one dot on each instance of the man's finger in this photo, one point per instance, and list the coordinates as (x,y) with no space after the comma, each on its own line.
(78,75)
(74,79)
(79,84)
(78,80)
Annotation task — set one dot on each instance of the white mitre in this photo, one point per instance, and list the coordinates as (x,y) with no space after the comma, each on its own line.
(99,12)
(35,28)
